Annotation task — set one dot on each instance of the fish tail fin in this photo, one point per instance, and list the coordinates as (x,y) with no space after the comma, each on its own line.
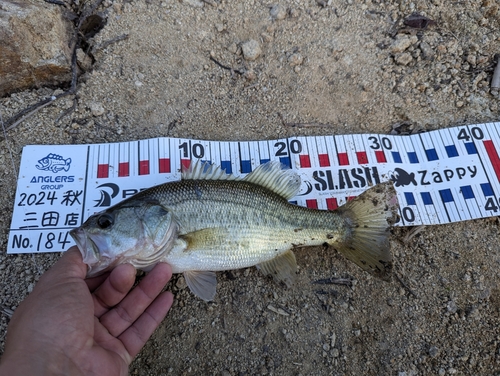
(371,215)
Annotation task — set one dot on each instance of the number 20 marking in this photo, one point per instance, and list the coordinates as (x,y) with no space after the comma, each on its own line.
(295,148)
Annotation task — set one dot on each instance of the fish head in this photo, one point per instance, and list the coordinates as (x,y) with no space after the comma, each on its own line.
(137,232)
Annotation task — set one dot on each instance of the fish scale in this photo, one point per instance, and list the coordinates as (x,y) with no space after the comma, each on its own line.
(260,224)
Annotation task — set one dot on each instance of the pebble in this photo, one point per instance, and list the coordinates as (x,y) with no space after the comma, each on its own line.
(278,12)
(295,59)
(433,351)
(251,50)
(83,60)
(402,43)
(427,51)
(404,58)
(194,3)
(181,283)
(96,108)
(451,307)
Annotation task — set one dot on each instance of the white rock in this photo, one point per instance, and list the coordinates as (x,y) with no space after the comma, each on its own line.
(278,12)
(401,43)
(96,108)
(251,50)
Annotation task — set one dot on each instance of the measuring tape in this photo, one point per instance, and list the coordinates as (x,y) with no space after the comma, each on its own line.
(440,177)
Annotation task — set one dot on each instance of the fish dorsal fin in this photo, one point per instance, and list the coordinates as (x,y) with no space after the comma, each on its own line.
(201,283)
(282,268)
(202,170)
(270,175)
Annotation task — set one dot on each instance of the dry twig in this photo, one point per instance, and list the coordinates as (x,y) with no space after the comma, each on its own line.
(495,81)
(414,231)
(334,281)
(226,67)
(406,286)
(302,125)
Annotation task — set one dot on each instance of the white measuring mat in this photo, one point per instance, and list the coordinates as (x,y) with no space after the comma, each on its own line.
(441,176)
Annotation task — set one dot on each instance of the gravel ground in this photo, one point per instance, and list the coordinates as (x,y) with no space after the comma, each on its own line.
(335,67)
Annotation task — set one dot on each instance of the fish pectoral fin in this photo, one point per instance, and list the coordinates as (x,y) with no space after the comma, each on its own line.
(282,268)
(202,283)
(205,238)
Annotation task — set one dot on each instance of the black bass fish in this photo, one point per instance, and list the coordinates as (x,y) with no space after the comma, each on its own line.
(211,221)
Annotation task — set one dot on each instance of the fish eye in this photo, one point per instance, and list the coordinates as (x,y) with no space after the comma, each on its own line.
(105,220)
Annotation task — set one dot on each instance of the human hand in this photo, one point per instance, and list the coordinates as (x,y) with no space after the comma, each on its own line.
(69,325)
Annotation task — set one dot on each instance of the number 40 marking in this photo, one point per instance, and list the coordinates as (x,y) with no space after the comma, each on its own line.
(491,204)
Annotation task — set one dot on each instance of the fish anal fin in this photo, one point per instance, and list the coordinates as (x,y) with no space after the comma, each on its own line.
(282,268)
(205,238)
(203,284)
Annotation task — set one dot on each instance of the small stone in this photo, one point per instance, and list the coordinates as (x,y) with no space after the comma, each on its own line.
(471,59)
(294,13)
(278,12)
(295,59)
(251,50)
(96,108)
(459,104)
(402,43)
(335,353)
(84,61)
(266,37)
(181,283)
(194,3)
(427,51)
(452,306)
(404,58)
(433,351)
(250,75)
(326,347)
(233,48)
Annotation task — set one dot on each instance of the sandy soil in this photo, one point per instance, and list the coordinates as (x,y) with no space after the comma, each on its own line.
(349,65)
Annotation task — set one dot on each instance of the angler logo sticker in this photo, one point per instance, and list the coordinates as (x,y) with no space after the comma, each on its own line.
(54,163)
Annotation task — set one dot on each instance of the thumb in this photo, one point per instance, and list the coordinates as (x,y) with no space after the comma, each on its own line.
(70,265)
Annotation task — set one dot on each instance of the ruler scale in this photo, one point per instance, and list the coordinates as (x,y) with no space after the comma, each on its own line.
(443,176)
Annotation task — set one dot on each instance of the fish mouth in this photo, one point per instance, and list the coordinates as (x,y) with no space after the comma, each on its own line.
(93,252)
(88,249)
(90,252)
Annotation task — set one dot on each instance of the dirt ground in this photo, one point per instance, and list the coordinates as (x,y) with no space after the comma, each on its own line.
(338,67)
